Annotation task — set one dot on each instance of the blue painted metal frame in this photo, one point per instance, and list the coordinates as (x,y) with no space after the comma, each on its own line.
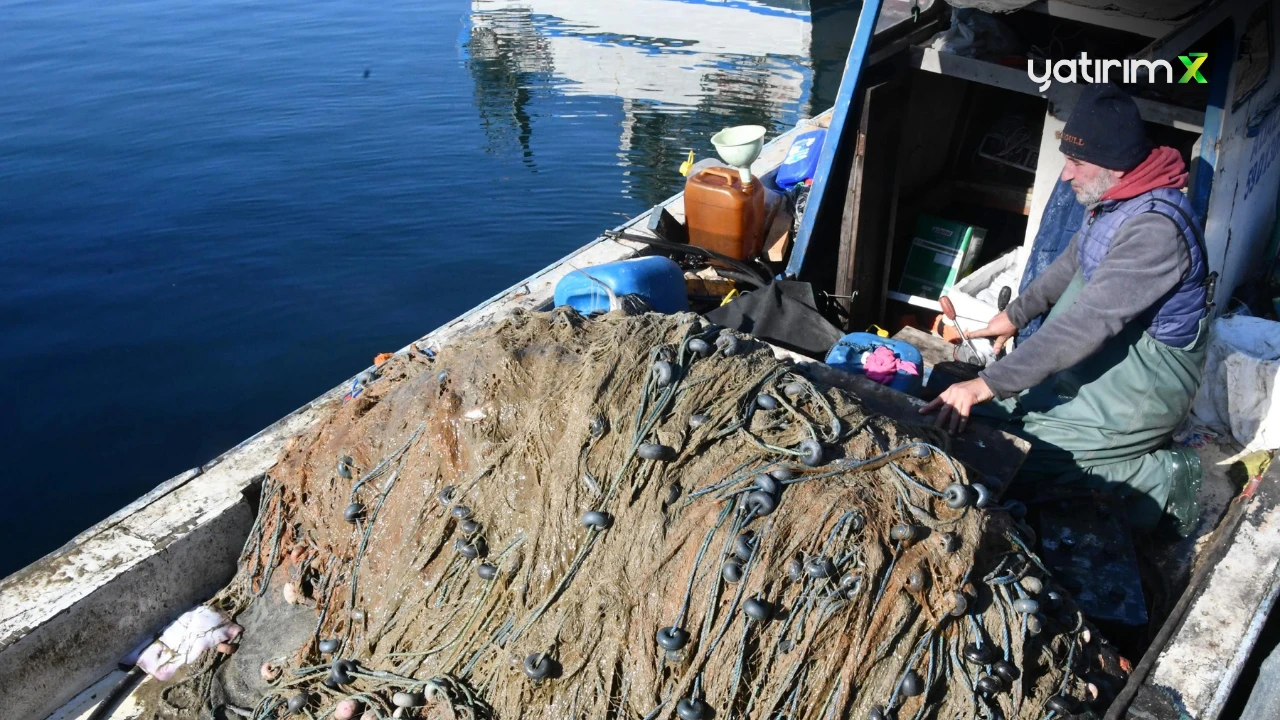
(835,133)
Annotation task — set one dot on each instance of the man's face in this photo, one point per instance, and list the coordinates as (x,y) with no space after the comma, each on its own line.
(1090,182)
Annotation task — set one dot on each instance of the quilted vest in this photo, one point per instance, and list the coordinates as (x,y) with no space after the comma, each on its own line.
(1175,318)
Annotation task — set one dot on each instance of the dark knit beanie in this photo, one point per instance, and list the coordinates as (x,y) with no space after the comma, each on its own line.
(1105,129)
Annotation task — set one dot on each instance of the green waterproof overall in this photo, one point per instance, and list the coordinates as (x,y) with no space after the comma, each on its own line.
(1103,424)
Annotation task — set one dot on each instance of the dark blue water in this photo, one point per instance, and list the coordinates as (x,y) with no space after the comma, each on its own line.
(212,212)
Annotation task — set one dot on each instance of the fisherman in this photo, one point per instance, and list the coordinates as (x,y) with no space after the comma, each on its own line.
(1100,388)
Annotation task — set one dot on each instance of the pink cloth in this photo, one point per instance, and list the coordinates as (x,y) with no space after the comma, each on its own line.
(882,365)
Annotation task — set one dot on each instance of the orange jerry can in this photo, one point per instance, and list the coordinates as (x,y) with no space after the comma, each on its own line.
(723,214)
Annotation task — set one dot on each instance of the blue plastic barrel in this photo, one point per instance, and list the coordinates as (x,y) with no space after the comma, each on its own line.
(802,159)
(657,279)
(848,352)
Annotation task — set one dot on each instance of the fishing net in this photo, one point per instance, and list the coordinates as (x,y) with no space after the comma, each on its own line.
(632,517)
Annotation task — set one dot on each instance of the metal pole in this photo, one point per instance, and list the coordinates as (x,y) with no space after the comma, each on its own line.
(844,100)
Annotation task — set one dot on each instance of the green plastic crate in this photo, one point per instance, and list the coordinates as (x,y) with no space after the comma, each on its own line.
(942,252)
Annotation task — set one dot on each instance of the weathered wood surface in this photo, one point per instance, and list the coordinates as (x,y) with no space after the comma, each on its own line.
(932,348)
(867,223)
(981,447)
(1229,601)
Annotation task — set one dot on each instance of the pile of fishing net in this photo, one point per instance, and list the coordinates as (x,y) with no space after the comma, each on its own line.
(633,517)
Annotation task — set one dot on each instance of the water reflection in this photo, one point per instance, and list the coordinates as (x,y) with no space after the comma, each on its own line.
(680,70)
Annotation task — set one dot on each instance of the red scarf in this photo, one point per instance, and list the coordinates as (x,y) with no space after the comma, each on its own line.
(1163,168)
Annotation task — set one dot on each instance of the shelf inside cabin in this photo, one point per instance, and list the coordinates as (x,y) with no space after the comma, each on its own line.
(915,300)
(1016,79)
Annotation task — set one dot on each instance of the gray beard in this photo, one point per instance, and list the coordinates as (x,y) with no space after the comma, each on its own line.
(1089,195)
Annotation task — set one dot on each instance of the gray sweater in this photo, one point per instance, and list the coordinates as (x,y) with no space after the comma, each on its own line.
(1147,258)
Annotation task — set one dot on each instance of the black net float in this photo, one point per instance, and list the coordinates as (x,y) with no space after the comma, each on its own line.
(692,709)
(539,667)
(981,496)
(761,502)
(758,609)
(912,684)
(745,545)
(811,453)
(1026,606)
(654,451)
(446,494)
(1005,670)
(596,520)
(978,654)
(917,580)
(989,685)
(298,702)
(820,567)
(768,483)
(956,496)
(663,373)
(905,532)
(672,638)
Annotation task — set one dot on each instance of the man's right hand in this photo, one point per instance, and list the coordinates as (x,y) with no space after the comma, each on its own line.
(999,328)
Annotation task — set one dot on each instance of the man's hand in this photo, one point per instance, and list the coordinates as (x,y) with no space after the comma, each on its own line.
(999,328)
(955,402)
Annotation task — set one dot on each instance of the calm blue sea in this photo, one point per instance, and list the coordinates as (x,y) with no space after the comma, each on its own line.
(212,212)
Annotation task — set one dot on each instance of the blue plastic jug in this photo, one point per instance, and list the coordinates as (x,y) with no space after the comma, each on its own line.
(659,280)
(848,352)
(802,159)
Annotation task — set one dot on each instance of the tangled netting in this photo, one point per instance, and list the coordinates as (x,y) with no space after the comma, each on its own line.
(643,517)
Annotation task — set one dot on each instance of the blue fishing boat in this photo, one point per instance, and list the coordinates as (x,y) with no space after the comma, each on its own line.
(927,123)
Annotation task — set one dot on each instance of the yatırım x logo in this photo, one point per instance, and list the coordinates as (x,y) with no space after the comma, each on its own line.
(1193,61)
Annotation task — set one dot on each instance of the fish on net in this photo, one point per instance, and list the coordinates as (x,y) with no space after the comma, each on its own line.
(640,517)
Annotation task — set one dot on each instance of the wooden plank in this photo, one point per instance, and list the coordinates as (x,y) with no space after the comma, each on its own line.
(867,220)
(932,348)
(1147,27)
(1196,661)
(1016,79)
(1169,46)
(849,218)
